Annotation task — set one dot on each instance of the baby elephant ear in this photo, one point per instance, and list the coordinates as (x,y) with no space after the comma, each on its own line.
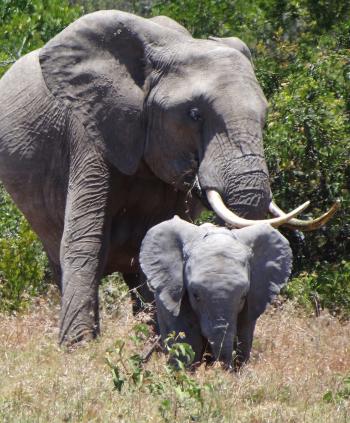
(271,265)
(235,43)
(161,260)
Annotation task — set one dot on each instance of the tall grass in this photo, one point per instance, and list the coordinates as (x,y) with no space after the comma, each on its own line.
(299,371)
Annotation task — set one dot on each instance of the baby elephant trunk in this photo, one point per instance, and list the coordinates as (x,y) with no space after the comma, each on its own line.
(222,343)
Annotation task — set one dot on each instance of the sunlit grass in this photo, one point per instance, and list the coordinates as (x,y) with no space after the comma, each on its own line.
(297,373)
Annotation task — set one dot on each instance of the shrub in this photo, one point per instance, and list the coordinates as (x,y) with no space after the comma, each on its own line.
(327,286)
(23,264)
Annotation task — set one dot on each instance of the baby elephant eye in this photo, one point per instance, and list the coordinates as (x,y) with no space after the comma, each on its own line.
(195,114)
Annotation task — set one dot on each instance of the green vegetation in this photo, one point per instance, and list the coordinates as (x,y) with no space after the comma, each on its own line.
(23,264)
(26,25)
(301,56)
(172,388)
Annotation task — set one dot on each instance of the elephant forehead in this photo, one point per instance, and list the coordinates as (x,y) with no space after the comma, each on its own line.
(203,54)
(203,61)
(217,257)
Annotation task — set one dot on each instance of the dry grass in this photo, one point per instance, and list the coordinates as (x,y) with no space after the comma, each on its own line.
(297,360)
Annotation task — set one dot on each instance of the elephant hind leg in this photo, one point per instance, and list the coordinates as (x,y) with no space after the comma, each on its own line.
(56,273)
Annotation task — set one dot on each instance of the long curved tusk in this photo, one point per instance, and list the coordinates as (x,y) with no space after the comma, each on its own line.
(228,216)
(305,225)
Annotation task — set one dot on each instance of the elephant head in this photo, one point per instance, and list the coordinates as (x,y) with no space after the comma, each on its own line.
(192,110)
(213,283)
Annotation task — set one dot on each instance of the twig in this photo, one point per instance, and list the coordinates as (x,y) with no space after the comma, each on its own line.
(14,56)
(7,62)
(19,52)
(148,354)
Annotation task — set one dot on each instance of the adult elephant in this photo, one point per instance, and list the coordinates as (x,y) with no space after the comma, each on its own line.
(107,128)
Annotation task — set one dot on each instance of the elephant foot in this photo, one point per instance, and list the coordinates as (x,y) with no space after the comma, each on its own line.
(79,322)
(78,332)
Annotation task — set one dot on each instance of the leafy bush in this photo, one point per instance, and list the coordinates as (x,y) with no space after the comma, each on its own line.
(27,24)
(327,286)
(140,7)
(23,264)
(173,388)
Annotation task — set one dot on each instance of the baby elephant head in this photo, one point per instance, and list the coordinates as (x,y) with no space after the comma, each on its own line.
(213,283)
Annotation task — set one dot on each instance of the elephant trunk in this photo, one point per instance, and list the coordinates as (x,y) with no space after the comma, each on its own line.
(234,175)
(221,343)
(233,165)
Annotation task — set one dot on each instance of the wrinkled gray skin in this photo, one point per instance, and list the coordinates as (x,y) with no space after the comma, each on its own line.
(213,283)
(103,132)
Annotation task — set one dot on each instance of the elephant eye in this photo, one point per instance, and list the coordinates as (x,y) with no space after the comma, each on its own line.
(196,296)
(195,114)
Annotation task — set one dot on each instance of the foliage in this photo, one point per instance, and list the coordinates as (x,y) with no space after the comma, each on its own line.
(113,291)
(327,285)
(23,265)
(172,389)
(27,24)
(139,7)
(342,394)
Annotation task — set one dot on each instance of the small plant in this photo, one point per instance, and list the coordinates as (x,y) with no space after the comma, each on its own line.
(113,292)
(172,387)
(341,394)
(181,354)
(327,286)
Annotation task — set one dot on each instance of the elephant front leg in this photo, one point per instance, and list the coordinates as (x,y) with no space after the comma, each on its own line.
(245,333)
(83,249)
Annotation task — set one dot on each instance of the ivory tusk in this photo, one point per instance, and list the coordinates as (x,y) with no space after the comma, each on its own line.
(305,225)
(231,218)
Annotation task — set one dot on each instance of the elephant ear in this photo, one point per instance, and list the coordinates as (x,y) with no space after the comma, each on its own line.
(161,260)
(271,265)
(235,43)
(97,67)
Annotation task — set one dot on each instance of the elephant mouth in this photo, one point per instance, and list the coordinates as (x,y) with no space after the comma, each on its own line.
(198,192)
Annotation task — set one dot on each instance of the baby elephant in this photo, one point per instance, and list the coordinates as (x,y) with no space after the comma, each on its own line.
(213,283)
